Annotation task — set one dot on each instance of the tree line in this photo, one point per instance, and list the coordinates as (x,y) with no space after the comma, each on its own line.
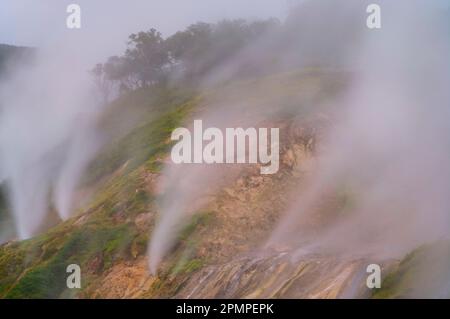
(190,54)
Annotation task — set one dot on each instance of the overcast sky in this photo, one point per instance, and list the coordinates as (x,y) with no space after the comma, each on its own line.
(107,23)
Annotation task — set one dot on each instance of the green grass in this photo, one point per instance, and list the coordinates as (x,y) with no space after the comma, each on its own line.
(48,278)
(422,273)
(197,220)
(148,139)
(185,259)
(36,268)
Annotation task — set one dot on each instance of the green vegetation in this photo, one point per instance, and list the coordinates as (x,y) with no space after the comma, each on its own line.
(148,139)
(114,226)
(6,220)
(150,59)
(185,258)
(104,233)
(13,54)
(47,279)
(419,274)
(197,220)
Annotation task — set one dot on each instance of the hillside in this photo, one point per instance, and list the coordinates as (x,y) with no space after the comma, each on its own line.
(221,246)
(10,53)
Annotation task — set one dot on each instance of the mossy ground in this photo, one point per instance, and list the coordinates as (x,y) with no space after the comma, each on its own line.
(183,260)
(104,233)
(36,268)
(421,273)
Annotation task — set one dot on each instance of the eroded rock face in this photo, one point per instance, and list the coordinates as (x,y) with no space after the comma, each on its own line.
(224,257)
(281,276)
(125,280)
(245,213)
(143,221)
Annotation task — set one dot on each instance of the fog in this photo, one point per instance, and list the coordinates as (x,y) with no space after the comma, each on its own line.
(302,44)
(46,111)
(106,24)
(389,148)
(49,108)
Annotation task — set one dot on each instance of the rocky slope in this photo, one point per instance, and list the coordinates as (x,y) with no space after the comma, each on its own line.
(220,252)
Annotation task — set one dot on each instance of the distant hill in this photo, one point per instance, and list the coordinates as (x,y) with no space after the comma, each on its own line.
(10,52)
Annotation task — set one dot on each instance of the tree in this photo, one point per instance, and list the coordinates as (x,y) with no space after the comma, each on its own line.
(102,82)
(147,57)
(189,48)
(193,53)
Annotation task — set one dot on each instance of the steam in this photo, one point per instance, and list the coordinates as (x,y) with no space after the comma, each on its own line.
(187,188)
(46,136)
(48,130)
(190,196)
(389,148)
(186,185)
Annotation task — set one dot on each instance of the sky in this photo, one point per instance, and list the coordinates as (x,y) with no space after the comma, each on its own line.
(107,23)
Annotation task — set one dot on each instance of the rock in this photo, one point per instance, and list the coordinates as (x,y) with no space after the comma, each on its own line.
(150,180)
(125,280)
(143,221)
(280,276)
(95,265)
(255,181)
(81,220)
(289,158)
(230,192)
